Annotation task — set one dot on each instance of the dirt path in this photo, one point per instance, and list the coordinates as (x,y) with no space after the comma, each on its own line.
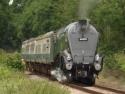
(111,82)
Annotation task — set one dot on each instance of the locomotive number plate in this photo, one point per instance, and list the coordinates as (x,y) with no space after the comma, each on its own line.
(83,39)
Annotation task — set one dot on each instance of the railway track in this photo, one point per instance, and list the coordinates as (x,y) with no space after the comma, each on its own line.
(95,89)
(110,89)
(85,89)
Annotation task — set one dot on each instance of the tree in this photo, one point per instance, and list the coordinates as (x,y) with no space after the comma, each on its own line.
(7,29)
(109,19)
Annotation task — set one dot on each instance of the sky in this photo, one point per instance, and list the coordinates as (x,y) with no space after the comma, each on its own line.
(11,2)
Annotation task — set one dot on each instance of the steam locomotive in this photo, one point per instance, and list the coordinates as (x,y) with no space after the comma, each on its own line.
(67,54)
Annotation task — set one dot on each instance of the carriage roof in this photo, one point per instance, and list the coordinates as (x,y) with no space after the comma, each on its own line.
(47,35)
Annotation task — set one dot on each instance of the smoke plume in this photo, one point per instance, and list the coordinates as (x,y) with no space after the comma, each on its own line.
(85,7)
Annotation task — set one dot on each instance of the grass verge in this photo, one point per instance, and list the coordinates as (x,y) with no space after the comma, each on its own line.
(12,82)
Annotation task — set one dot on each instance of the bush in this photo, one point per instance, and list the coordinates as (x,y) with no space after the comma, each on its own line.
(11,60)
(14,61)
(111,62)
(120,58)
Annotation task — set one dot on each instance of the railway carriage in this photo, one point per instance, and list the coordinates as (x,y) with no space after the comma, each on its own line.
(67,54)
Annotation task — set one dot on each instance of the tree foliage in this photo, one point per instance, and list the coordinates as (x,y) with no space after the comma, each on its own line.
(30,18)
(7,29)
(109,18)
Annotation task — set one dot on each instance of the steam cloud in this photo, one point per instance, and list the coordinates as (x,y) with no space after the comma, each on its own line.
(85,6)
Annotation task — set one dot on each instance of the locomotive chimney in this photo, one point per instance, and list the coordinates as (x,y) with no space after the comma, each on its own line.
(83,24)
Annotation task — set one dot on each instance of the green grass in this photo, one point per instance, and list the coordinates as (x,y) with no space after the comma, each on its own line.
(17,83)
(114,67)
(120,58)
(115,61)
(13,81)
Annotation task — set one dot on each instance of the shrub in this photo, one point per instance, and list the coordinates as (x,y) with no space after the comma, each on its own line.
(11,60)
(111,62)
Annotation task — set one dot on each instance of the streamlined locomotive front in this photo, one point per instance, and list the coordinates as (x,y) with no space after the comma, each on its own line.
(83,39)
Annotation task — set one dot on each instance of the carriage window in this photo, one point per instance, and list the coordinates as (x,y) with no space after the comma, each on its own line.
(47,41)
(44,48)
(38,49)
(27,49)
(32,48)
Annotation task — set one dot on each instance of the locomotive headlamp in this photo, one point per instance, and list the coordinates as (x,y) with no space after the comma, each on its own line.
(98,62)
(97,57)
(97,66)
(69,58)
(69,65)
(67,54)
